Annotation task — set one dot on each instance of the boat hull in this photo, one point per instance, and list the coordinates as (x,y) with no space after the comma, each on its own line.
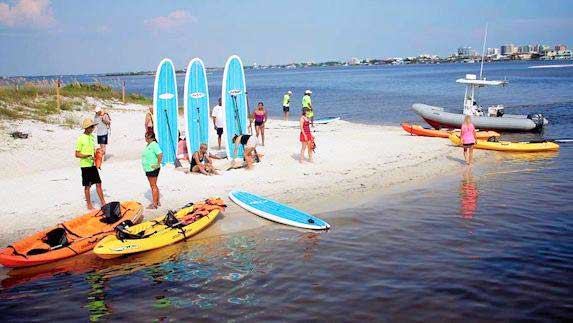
(438,118)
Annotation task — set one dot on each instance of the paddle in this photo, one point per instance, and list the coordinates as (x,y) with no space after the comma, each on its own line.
(251,127)
(557,140)
(177,163)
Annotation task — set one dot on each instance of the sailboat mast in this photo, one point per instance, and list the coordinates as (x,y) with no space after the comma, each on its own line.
(483,52)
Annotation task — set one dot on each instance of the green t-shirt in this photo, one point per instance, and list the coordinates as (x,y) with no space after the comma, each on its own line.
(86,146)
(286,100)
(306,101)
(149,156)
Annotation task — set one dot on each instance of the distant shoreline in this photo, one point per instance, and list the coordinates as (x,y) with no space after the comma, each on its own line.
(271,67)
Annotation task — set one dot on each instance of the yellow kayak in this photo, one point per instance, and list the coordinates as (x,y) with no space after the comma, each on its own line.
(161,231)
(528,147)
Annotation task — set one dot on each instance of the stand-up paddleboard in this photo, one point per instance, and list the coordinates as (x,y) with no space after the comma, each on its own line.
(196,106)
(276,211)
(234,103)
(165,110)
(326,120)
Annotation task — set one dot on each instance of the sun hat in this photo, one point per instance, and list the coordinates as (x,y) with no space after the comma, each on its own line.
(308,92)
(289,92)
(88,122)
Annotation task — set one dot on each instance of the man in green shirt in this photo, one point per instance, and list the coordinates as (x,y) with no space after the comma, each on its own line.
(286,104)
(306,103)
(85,151)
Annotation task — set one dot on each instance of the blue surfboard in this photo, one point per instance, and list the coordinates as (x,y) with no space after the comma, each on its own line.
(234,94)
(276,211)
(165,110)
(196,106)
(326,120)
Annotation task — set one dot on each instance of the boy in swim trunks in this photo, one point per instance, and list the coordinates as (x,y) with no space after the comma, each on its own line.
(85,151)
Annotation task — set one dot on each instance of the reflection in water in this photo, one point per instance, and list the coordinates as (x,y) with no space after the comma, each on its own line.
(469,195)
(96,305)
(310,241)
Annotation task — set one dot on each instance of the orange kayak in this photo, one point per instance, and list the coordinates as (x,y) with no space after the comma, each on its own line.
(421,131)
(70,238)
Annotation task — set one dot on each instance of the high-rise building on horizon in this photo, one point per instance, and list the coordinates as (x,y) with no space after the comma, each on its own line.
(560,47)
(508,49)
(492,51)
(466,52)
(525,49)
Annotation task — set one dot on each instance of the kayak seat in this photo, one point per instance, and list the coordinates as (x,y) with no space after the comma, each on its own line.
(54,239)
(111,212)
(170,219)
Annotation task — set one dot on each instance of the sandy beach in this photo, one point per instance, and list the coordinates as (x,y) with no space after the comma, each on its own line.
(41,182)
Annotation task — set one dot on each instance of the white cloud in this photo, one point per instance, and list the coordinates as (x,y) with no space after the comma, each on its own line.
(172,22)
(27,13)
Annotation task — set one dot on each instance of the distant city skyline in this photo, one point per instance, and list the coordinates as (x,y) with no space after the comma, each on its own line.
(43,37)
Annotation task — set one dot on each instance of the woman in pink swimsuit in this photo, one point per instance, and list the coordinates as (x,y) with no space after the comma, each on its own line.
(469,138)
(260,117)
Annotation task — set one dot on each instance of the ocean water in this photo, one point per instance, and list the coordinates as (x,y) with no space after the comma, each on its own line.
(490,242)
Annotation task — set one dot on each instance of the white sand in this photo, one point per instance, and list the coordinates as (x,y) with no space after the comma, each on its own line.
(41,183)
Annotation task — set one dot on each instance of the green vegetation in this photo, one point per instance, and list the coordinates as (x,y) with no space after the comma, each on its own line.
(37,100)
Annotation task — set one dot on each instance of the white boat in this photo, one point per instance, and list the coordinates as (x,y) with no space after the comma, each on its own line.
(494,119)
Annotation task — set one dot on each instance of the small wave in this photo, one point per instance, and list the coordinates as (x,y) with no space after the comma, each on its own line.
(551,66)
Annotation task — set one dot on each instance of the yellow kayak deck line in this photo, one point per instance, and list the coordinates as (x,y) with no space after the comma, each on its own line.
(158,235)
(528,147)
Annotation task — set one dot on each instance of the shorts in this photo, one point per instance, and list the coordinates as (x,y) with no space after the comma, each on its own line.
(90,176)
(468,145)
(308,135)
(153,173)
(102,140)
(258,123)
(219,131)
(252,142)
(286,109)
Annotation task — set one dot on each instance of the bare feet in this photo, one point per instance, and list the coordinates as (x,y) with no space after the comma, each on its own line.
(152,206)
(90,207)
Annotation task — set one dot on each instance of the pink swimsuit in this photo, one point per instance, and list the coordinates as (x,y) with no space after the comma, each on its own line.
(468,134)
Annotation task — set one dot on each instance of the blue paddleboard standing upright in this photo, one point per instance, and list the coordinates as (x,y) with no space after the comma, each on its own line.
(234,94)
(196,106)
(165,110)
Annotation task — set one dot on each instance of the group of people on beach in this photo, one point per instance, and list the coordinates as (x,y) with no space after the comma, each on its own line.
(201,161)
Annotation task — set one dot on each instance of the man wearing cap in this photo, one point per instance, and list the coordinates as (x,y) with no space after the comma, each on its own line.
(307,104)
(103,122)
(85,151)
(286,104)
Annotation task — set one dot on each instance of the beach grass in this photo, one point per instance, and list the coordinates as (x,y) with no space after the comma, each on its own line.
(37,100)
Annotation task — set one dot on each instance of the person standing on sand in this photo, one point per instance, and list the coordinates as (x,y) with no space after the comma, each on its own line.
(306,138)
(149,121)
(85,150)
(103,122)
(307,103)
(217,115)
(286,104)
(151,161)
(469,137)
(260,117)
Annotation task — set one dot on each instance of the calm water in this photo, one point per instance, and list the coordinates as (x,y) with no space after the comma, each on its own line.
(494,242)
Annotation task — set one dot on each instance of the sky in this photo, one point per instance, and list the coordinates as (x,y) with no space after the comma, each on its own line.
(61,37)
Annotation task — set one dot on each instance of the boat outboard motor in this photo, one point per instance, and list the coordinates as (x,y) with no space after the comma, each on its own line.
(538,119)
